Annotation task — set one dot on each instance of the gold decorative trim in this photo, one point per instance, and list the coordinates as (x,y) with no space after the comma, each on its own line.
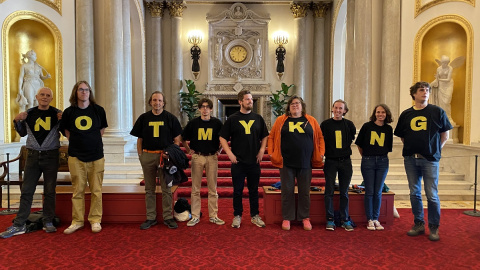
(1,1)
(54,4)
(469,62)
(9,21)
(155,8)
(176,8)
(419,7)
(320,9)
(299,10)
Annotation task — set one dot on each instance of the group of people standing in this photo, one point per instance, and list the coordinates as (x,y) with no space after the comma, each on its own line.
(296,144)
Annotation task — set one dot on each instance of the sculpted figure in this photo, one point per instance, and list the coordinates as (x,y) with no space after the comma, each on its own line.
(218,51)
(258,53)
(30,80)
(442,86)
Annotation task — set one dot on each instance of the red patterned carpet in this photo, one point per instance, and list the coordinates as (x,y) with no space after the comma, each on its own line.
(209,246)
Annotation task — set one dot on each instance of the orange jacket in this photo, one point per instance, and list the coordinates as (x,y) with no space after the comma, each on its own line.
(274,142)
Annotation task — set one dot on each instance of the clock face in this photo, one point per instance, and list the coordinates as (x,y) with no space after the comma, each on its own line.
(238,53)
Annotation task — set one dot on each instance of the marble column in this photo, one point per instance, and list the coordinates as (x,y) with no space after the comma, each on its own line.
(300,51)
(84,33)
(390,71)
(127,102)
(358,96)
(176,12)
(110,71)
(318,89)
(154,47)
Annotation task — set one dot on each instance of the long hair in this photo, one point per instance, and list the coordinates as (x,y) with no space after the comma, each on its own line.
(388,118)
(151,97)
(74,98)
(289,102)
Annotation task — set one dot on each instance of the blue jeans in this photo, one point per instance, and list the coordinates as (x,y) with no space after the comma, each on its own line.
(374,171)
(416,168)
(240,171)
(38,163)
(345,171)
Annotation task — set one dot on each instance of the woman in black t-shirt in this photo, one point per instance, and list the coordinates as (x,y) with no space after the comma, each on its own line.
(374,141)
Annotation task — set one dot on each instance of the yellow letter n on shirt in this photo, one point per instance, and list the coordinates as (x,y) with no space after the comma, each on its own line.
(375,138)
(45,124)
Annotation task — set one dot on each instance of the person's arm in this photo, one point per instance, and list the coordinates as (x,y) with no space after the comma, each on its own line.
(102,131)
(139,146)
(187,147)
(443,138)
(19,123)
(177,140)
(67,134)
(227,149)
(262,149)
(360,150)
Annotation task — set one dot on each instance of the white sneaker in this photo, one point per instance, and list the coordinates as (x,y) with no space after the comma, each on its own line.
(378,226)
(370,225)
(72,228)
(257,220)
(237,220)
(96,227)
(192,222)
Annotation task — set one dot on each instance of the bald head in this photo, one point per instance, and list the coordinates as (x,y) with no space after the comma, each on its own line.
(44,97)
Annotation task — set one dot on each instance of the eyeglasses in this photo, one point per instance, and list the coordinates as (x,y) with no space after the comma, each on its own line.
(83,90)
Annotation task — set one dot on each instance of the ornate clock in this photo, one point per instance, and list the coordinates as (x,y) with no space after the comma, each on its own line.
(238,53)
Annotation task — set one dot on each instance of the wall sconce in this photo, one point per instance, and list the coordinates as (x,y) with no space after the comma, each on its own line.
(195,37)
(280,38)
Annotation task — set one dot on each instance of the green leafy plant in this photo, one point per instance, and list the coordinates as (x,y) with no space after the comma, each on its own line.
(189,100)
(278,100)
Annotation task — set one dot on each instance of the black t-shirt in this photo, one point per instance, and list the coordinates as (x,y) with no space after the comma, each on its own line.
(203,135)
(41,122)
(245,131)
(375,140)
(420,130)
(297,143)
(338,136)
(84,125)
(157,131)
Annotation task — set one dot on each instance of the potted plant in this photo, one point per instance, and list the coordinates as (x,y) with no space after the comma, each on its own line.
(278,100)
(189,100)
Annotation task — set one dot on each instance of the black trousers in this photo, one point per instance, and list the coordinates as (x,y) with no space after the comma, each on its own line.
(240,171)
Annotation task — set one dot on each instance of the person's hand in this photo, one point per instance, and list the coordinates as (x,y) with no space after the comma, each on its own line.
(232,158)
(59,116)
(21,116)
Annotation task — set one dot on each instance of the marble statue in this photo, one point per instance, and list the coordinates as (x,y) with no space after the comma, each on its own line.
(218,52)
(30,80)
(442,86)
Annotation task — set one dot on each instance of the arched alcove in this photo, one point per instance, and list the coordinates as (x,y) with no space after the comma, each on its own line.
(449,35)
(23,31)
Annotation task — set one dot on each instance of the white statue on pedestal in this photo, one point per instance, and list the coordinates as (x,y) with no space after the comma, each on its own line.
(30,80)
(442,86)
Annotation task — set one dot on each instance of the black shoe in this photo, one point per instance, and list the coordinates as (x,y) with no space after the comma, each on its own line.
(171,224)
(147,224)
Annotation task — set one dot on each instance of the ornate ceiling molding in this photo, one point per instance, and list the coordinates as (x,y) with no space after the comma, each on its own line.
(419,7)
(54,4)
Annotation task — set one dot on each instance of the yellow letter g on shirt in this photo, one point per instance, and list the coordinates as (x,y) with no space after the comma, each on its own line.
(87,123)
(419,123)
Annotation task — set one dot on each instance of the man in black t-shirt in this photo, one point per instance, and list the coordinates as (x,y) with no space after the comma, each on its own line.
(423,129)
(203,133)
(41,125)
(248,135)
(155,130)
(84,123)
(338,134)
